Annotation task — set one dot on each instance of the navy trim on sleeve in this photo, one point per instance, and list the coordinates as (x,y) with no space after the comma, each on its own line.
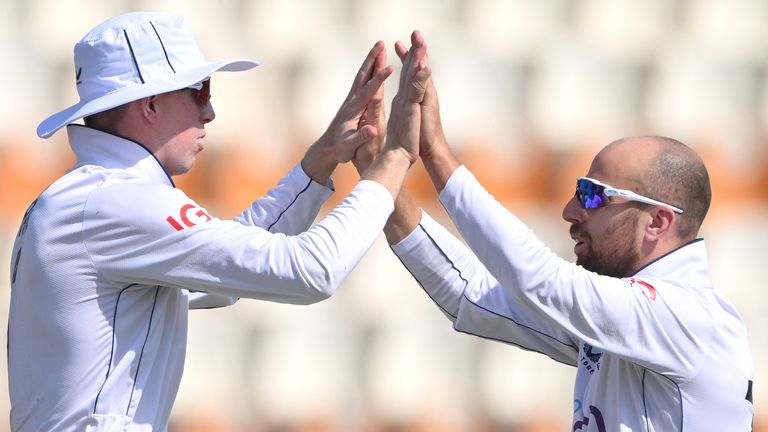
(466,283)
(289,205)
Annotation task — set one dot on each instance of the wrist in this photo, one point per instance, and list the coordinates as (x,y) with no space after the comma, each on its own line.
(397,155)
(389,169)
(395,150)
(360,166)
(319,162)
(440,163)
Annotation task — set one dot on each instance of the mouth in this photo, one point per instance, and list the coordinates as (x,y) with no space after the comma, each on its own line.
(576,237)
(578,247)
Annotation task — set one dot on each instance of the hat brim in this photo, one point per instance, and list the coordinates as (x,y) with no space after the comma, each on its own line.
(173,82)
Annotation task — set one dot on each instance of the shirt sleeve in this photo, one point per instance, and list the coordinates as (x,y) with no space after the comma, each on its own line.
(156,235)
(290,207)
(665,334)
(204,300)
(472,298)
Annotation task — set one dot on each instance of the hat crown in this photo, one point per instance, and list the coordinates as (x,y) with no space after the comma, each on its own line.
(133,56)
(133,49)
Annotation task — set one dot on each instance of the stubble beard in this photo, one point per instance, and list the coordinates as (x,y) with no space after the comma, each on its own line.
(616,251)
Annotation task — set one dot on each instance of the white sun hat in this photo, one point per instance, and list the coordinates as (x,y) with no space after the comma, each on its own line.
(133,56)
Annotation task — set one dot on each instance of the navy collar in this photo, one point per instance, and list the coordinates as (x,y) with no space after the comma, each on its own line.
(687,262)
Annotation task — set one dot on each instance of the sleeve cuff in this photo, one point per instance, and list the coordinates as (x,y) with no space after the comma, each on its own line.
(380,192)
(415,237)
(300,175)
(455,183)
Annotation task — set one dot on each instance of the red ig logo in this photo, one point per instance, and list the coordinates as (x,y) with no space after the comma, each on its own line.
(648,289)
(184,216)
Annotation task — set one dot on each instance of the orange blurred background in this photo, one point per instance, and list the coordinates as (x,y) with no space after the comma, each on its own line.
(530,90)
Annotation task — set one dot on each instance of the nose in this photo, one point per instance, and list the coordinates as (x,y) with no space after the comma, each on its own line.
(207,113)
(573,212)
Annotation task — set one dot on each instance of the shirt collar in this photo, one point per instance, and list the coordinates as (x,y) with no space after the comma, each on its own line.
(688,262)
(95,147)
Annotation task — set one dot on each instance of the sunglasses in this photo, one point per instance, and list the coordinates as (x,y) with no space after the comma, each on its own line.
(202,91)
(592,194)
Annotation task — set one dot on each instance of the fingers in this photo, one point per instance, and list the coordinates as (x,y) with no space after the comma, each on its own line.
(419,82)
(417,41)
(401,50)
(371,90)
(415,74)
(381,55)
(375,59)
(367,133)
(361,136)
(374,112)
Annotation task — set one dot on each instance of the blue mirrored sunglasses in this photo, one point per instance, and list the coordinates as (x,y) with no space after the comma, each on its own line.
(592,194)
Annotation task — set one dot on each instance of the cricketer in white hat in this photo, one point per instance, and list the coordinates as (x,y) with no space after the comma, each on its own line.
(111,256)
(133,56)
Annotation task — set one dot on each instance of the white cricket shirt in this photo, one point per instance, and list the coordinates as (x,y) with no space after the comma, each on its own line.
(111,256)
(660,351)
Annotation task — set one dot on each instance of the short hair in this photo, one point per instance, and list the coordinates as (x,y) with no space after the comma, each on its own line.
(105,120)
(679,177)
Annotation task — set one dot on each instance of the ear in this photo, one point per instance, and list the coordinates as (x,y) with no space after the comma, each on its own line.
(148,108)
(661,223)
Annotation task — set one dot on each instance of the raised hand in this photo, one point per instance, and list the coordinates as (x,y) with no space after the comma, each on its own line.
(405,122)
(373,116)
(431,126)
(357,120)
(401,148)
(439,160)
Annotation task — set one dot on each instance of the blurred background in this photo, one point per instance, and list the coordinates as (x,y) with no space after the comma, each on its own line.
(530,90)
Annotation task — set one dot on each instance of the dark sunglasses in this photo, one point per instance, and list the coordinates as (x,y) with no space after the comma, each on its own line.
(592,194)
(202,91)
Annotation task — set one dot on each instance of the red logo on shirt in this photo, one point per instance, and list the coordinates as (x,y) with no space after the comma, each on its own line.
(185,213)
(648,289)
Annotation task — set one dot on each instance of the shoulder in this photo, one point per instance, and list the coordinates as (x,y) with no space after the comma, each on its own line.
(688,305)
(134,203)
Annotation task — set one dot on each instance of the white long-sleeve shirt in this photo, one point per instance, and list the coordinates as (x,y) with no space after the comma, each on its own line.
(111,256)
(659,351)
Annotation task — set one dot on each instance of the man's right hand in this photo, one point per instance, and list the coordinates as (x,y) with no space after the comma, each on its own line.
(406,105)
(438,159)
(401,148)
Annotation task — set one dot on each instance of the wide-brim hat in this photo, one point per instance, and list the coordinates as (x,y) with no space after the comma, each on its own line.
(133,56)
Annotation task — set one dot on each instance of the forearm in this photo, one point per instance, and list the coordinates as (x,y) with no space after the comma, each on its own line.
(291,206)
(404,219)
(440,162)
(320,160)
(389,169)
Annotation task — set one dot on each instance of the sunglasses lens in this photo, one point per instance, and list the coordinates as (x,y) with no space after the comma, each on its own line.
(204,94)
(591,196)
